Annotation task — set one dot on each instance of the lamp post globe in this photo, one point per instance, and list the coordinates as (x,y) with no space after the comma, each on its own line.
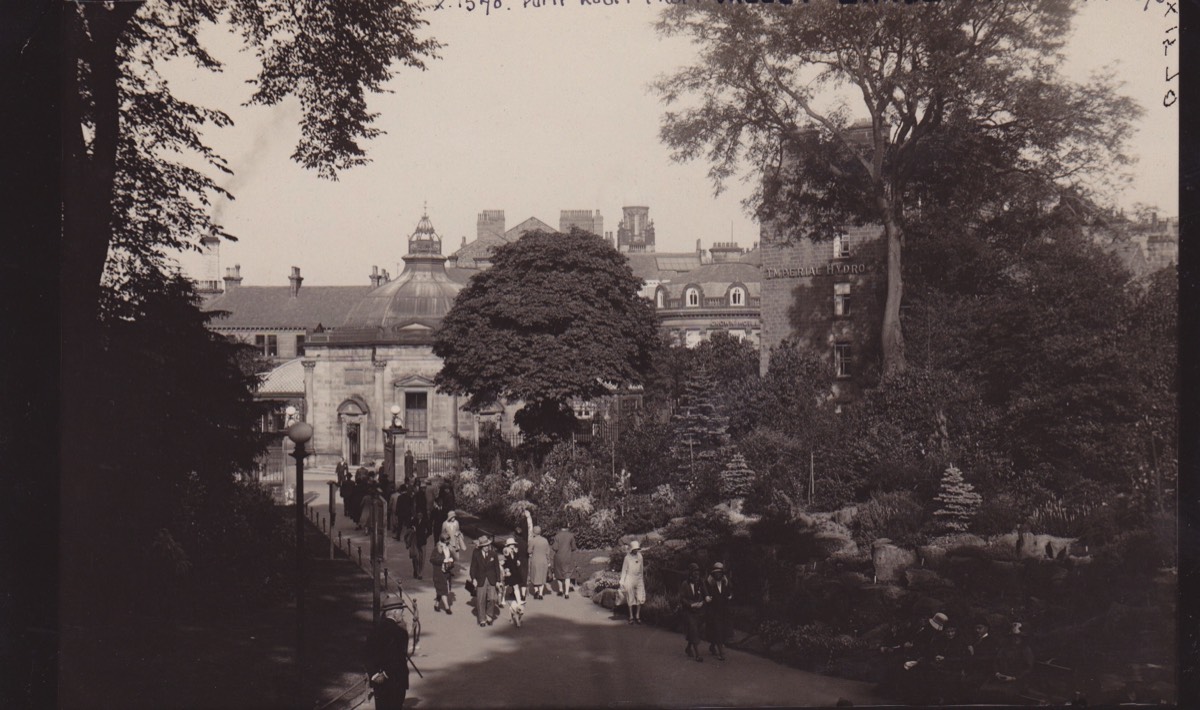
(300,433)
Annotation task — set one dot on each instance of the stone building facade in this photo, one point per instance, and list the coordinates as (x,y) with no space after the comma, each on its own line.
(827,295)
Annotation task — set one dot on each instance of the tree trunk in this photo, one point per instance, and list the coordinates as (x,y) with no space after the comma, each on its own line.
(892,338)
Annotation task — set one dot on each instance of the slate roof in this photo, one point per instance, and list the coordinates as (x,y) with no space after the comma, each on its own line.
(652,266)
(273,306)
(754,256)
(715,279)
(532,224)
(287,378)
(479,249)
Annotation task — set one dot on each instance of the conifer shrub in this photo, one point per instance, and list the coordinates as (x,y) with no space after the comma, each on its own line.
(959,501)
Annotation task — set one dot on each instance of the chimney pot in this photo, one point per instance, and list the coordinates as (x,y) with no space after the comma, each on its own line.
(295,280)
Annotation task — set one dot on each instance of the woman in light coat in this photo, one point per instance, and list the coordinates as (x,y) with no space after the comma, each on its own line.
(539,563)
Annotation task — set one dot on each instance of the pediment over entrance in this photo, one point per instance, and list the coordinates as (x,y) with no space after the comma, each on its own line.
(413,381)
(352,405)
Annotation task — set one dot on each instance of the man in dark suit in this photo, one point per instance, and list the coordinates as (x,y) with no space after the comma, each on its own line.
(387,659)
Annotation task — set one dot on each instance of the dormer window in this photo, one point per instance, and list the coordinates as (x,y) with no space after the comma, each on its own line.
(692,297)
(737,296)
(658,299)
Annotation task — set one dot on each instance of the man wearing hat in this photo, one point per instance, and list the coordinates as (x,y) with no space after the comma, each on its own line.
(485,574)
(984,651)
(691,597)
(718,596)
(633,581)
(387,658)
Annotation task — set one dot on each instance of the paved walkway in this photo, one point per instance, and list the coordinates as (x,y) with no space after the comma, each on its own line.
(568,653)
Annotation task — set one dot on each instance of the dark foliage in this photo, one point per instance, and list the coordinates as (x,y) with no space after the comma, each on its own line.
(172,420)
(556,317)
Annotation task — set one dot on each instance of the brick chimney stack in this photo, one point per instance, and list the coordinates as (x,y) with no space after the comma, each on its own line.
(295,280)
(233,277)
(376,277)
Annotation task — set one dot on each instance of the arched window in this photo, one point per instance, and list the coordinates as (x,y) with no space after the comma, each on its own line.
(737,296)
(658,298)
(692,297)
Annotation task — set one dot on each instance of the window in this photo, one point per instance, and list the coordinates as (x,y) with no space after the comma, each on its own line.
(737,296)
(267,344)
(841,299)
(841,247)
(692,297)
(299,345)
(416,413)
(658,298)
(841,359)
(739,334)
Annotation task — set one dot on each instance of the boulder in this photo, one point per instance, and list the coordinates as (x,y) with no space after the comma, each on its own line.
(599,560)
(931,555)
(674,544)
(852,579)
(832,542)
(890,561)
(607,598)
(1044,547)
(588,588)
(654,537)
(679,521)
(626,539)
(845,516)
(923,579)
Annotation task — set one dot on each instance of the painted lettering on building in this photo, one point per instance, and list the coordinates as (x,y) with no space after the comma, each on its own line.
(833,269)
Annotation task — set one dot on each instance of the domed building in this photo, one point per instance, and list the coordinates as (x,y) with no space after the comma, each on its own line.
(381,356)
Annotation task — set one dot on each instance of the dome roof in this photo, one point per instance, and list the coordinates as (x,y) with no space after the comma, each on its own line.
(409,308)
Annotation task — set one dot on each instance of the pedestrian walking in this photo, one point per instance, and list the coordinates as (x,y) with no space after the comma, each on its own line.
(514,579)
(387,659)
(342,470)
(416,539)
(718,596)
(564,561)
(452,528)
(401,511)
(540,555)
(691,597)
(442,567)
(410,466)
(486,576)
(633,581)
(346,491)
(393,504)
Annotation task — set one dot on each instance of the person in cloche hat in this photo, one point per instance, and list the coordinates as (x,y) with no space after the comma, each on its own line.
(633,581)
(514,579)
(718,596)
(691,597)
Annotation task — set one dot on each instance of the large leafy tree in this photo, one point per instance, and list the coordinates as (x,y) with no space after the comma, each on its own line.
(959,98)
(139,177)
(557,317)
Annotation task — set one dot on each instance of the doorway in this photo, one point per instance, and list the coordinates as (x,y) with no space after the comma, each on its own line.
(353,445)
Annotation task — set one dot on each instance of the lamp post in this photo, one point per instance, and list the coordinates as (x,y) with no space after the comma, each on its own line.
(391,432)
(300,432)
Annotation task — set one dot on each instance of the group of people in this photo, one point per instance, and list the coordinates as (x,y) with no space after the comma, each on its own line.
(522,569)
(706,602)
(937,664)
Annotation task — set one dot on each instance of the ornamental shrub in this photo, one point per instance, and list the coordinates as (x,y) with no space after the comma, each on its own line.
(960,502)
(894,514)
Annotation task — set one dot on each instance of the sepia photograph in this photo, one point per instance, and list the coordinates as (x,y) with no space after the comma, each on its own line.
(618,353)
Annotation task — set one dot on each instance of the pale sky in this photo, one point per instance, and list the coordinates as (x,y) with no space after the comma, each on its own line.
(536,110)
